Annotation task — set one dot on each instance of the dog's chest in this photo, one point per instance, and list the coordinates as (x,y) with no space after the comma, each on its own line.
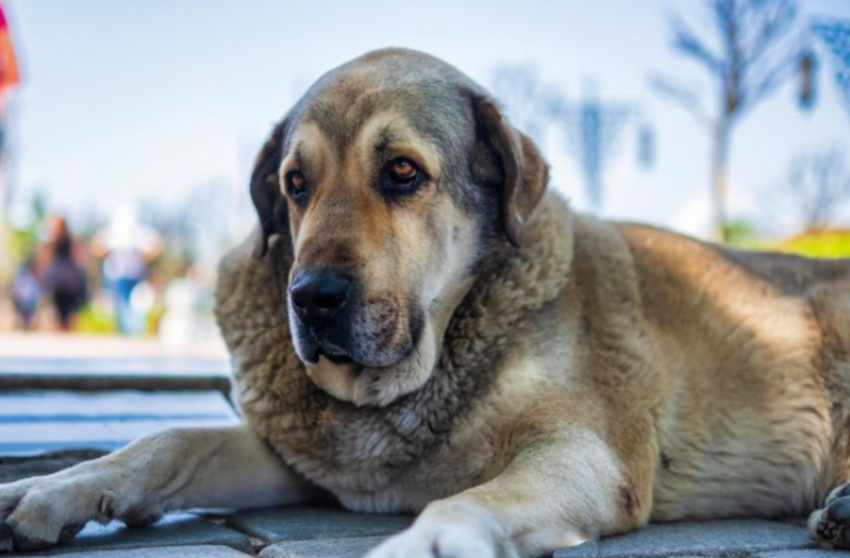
(450,469)
(371,459)
(372,468)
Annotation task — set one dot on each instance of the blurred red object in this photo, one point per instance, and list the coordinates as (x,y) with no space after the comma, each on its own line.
(9,73)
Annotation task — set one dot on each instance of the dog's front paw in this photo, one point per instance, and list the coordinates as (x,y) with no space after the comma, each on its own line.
(43,511)
(449,533)
(830,526)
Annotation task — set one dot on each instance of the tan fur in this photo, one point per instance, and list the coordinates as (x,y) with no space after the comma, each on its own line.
(709,385)
(576,378)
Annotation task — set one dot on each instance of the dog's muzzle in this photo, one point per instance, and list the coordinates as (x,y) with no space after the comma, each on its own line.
(322,300)
(319,294)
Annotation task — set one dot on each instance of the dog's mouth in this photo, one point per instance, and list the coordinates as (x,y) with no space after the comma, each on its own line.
(334,354)
(340,358)
(342,347)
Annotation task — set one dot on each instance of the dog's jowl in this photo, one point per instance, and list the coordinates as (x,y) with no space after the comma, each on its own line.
(416,325)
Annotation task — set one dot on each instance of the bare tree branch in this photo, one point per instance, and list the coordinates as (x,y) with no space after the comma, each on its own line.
(777,18)
(683,96)
(818,186)
(686,41)
(530,103)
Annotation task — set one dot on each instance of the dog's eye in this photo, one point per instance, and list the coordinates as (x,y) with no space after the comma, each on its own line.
(296,184)
(403,171)
(402,176)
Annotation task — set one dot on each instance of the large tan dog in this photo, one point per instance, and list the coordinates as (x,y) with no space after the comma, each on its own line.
(422,328)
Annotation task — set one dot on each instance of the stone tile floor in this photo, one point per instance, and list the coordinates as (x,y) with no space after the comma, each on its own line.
(300,532)
(328,532)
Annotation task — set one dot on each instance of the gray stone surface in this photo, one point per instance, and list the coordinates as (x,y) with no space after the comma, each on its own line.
(125,372)
(308,523)
(809,553)
(41,422)
(329,548)
(174,530)
(590,548)
(160,552)
(711,538)
(16,468)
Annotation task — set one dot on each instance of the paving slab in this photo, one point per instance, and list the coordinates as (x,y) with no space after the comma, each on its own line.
(204,551)
(330,548)
(174,530)
(808,553)
(730,538)
(310,523)
(39,422)
(16,468)
(124,372)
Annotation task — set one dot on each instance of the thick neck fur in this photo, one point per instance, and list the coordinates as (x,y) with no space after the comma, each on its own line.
(344,447)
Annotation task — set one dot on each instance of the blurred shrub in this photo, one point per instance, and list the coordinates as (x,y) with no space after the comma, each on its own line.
(833,243)
(740,233)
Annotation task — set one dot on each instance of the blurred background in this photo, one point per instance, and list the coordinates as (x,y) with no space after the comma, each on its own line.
(128,131)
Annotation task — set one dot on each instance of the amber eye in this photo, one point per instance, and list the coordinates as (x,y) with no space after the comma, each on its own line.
(403,171)
(402,177)
(296,184)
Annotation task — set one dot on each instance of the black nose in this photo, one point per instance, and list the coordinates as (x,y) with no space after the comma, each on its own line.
(319,292)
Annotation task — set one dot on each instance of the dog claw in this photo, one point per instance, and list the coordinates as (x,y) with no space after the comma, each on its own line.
(830,527)
(105,507)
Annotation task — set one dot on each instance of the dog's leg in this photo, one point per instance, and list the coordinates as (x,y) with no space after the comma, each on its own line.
(830,525)
(555,493)
(169,470)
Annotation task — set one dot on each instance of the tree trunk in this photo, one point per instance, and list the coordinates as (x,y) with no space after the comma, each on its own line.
(719,179)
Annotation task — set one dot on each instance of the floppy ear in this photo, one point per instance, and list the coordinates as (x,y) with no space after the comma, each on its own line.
(524,171)
(265,190)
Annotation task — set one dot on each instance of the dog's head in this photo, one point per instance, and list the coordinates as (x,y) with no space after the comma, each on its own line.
(392,176)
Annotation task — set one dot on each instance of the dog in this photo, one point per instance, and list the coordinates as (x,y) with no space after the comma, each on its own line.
(418,326)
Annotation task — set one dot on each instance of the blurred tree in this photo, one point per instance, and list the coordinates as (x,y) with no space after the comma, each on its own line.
(818,185)
(529,103)
(835,34)
(592,128)
(197,227)
(753,50)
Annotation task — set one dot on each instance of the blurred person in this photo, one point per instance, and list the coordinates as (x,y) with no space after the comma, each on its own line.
(26,293)
(127,247)
(64,278)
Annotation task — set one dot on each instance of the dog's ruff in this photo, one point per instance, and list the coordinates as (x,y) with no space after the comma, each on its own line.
(356,450)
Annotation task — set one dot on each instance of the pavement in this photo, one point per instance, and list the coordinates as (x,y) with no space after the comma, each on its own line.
(40,345)
(313,532)
(52,361)
(44,430)
(330,532)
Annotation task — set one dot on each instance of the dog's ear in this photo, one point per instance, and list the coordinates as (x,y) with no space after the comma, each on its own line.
(265,189)
(524,172)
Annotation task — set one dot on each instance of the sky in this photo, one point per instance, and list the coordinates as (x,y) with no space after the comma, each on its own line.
(124,101)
